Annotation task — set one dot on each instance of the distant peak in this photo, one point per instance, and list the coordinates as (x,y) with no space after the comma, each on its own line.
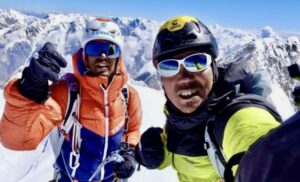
(267,32)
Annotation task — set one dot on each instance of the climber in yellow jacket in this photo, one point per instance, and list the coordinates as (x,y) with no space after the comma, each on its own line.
(199,113)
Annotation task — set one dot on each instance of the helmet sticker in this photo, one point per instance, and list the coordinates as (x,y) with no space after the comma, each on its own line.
(177,23)
(103,33)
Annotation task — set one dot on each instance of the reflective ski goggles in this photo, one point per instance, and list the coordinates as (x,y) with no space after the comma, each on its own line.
(95,49)
(192,63)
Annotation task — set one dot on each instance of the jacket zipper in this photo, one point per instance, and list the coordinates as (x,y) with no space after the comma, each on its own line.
(106,112)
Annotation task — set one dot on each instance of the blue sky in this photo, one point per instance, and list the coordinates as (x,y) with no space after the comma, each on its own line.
(282,15)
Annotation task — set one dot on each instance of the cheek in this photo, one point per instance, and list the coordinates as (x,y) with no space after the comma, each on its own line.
(206,78)
(112,64)
(169,86)
(210,78)
(89,61)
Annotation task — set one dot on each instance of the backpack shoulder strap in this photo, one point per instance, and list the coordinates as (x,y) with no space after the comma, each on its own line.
(234,160)
(248,100)
(214,151)
(63,130)
(214,132)
(125,99)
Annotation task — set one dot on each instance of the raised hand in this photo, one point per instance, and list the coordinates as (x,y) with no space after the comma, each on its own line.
(34,81)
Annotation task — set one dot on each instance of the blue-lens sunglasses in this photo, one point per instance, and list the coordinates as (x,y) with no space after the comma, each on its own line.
(192,63)
(96,48)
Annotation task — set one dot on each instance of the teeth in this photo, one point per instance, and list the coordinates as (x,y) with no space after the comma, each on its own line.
(101,64)
(187,92)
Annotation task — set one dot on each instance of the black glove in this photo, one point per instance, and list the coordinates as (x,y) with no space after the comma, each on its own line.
(126,168)
(294,71)
(150,151)
(34,81)
(296,96)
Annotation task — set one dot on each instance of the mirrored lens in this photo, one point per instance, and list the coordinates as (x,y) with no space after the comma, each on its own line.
(95,49)
(168,68)
(196,62)
(192,63)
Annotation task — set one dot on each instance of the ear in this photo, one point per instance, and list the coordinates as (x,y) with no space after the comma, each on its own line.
(215,70)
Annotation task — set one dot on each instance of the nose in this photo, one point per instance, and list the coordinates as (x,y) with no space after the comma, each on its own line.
(103,55)
(184,72)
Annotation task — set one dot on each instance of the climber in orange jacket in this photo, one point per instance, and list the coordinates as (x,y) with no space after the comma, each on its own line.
(33,107)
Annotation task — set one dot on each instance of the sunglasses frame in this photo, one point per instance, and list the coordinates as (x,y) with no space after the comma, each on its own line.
(181,62)
(105,42)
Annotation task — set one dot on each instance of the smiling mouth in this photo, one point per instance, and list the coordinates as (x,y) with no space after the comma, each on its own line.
(187,94)
(102,65)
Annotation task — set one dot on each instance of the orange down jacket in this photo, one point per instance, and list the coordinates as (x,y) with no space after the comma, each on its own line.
(102,114)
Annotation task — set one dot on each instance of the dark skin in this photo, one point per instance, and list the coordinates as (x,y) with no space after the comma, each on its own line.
(102,66)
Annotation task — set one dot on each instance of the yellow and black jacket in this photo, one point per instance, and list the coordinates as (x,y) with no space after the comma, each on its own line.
(242,121)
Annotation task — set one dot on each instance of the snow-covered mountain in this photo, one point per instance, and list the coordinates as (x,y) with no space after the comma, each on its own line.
(22,34)
(266,50)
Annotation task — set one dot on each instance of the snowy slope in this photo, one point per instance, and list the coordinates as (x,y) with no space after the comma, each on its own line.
(36,166)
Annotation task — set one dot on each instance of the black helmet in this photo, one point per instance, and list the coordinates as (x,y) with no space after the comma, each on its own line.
(181,33)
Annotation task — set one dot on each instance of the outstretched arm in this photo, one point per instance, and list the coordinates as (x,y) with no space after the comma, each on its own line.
(25,122)
(30,113)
